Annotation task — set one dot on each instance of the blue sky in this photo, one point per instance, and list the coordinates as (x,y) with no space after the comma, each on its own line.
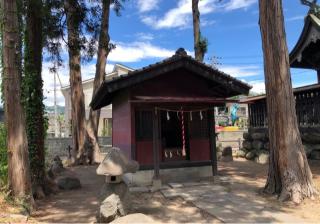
(151,30)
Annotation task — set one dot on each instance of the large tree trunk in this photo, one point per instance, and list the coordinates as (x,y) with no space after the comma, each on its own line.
(196,30)
(289,173)
(18,161)
(73,12)
(103,51)
(32,82)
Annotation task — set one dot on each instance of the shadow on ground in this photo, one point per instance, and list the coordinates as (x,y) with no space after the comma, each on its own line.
(235,198)
(73,206)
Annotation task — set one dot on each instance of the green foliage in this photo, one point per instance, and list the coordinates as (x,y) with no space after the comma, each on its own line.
(223,123)
(203,44)
(104,131)
(32,93)
(1,52)
(88,16)
(45,123)
(3,156)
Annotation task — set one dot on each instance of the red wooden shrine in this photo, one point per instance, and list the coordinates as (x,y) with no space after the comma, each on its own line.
(148,105)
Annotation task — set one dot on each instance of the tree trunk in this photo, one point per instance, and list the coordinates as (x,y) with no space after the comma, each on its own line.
(73,12)
(33,95)
(103,51)
(196,30)
(18,161)
(289,173)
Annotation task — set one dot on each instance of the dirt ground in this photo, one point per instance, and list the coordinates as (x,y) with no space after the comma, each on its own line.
(81,205)
(169,210)
(251,176)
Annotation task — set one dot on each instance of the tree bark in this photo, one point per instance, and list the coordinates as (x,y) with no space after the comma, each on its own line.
(33,84)
(18,161)
(73,12)
(103,51)
(196,30)
(289,174)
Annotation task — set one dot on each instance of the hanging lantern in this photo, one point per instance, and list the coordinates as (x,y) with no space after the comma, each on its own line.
(201,115)
(168,116)
(190,115)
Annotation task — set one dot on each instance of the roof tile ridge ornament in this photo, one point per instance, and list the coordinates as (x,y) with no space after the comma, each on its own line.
(314,7)
(181,52)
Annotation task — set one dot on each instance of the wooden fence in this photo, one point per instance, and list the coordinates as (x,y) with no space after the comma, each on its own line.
(307,109)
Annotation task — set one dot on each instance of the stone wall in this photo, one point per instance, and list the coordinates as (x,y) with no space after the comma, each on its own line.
(256,144)
(230,138)
(58,146)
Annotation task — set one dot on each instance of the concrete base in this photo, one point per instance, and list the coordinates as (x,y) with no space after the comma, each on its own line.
(156,185)
(145,177)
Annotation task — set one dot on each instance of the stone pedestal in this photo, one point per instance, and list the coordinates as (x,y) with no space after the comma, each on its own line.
(114,192)
(114,201)
(156,185)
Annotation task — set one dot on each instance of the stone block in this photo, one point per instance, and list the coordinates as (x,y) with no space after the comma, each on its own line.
(247,145)
(227,151)
(156,185)
(68,183)
(241,153)
(315,155)
(251,155)
(259,136)
(257,145)
(311,137)
(136,218)
(246,136)
(175,185)
(262,157)
(139,189)
(308,149)
(114,202)
(108,211)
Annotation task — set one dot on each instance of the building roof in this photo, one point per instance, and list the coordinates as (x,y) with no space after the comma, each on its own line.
(306,53)
(114,72)
(295,90)
(229,85)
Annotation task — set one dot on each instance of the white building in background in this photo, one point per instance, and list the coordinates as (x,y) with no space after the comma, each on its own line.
(105,123)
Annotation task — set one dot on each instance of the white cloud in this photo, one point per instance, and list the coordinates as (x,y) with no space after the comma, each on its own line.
(238,4)
(180,17)
(205,22)
(132,52)
(87,72)
(147,5)
(258,87)
(144,36)
(48,83)
(137,51)
(241,71)
(295,18)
